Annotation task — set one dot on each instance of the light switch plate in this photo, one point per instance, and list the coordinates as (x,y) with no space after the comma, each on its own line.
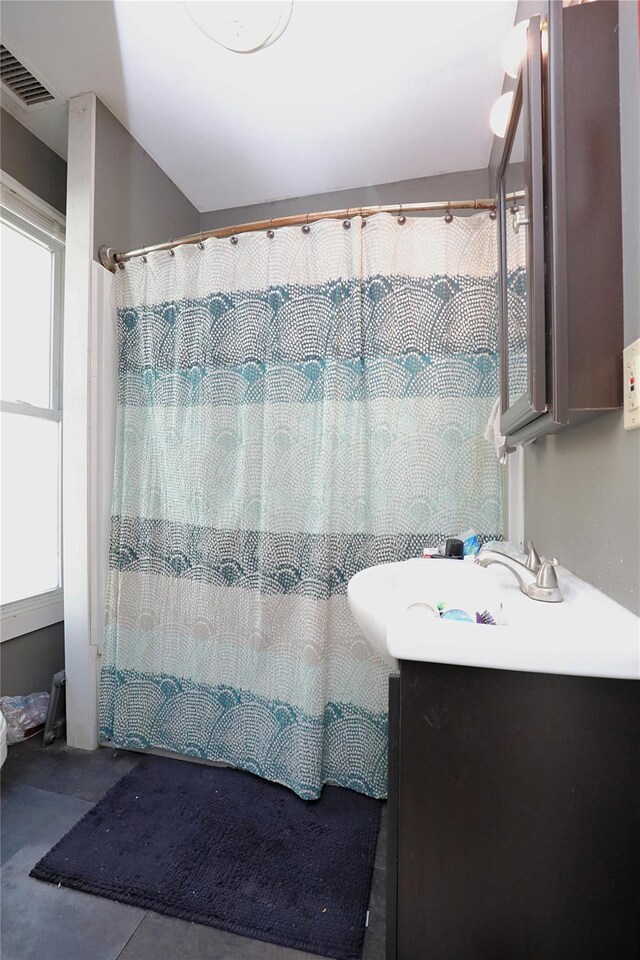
(631,385)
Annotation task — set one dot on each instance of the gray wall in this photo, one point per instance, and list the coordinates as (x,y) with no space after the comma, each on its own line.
(582,487)
(136,204)
(31,162)
(28,663)
(468,185)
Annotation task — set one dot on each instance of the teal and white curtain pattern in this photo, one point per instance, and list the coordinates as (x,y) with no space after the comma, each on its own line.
(517,333)
(291,410)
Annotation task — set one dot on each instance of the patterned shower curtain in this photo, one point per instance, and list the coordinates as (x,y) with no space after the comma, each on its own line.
(290,411)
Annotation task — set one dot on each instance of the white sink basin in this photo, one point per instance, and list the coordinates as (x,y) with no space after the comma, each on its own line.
(380,594)
(588,634)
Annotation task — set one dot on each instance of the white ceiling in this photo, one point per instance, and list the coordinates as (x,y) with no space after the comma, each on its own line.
(354,93)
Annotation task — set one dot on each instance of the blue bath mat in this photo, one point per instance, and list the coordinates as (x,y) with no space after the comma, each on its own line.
(230,850)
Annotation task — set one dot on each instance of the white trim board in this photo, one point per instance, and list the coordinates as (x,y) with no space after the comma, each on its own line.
(28,205)
(515,497)
(32,613)
(80,652)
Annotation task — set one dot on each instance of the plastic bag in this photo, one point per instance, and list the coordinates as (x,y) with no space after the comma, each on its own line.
(24,715)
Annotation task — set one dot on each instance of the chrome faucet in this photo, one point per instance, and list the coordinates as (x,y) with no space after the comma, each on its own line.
(536,578)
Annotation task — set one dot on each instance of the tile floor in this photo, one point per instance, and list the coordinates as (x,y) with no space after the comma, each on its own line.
(44,792)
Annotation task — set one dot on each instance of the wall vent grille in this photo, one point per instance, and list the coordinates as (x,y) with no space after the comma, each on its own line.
(20,81)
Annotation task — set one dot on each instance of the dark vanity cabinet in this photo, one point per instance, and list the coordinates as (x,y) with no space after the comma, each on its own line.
(513,816)
(560,233)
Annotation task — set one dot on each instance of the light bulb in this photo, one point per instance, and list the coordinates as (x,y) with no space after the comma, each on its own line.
(500,113)
(240,25)
(514,48)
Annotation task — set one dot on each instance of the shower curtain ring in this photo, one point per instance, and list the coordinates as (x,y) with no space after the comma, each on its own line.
(144,255)
(493,213)
(201,244)
(306,228)
(172,252)
(401,219)
(233,237)
(363,218)
(270,232)
(448,217)
(346,223)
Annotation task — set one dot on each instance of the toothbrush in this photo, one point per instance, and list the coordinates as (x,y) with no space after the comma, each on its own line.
(485,617)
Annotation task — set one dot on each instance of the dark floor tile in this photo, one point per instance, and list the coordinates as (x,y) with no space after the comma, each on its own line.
(381,849)
(42,799)
(166,938)
(41,921)
(36,817)
(374,938)
(87,774)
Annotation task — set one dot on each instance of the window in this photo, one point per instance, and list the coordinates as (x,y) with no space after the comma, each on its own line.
(31,274)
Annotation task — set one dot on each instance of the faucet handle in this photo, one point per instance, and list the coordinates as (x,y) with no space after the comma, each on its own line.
(533,559)
(547,576)
(546,586)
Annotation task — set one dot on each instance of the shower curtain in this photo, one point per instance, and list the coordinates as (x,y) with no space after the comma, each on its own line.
(290,411)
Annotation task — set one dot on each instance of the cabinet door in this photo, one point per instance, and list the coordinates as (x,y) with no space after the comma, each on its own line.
(521,249)
(519,833)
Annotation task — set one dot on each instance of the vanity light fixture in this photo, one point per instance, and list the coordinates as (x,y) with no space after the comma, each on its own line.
(241,26)
(500,113)
(514,48)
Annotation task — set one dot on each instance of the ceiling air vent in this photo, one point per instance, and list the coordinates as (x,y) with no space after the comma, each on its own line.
(21,82)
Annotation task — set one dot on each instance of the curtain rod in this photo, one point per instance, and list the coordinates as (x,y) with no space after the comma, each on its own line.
(111,259)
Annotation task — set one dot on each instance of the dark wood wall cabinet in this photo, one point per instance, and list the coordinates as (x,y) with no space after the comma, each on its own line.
(560,226)
(514,816)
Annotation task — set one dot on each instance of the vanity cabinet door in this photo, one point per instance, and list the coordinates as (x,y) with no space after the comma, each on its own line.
(514,819)
(521,249)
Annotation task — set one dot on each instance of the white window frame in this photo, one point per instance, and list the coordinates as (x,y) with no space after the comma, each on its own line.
(26,212)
